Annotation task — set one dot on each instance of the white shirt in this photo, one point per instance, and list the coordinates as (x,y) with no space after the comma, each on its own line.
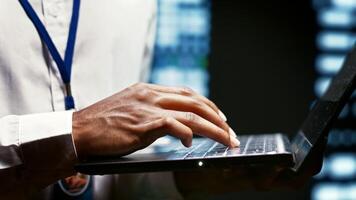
(113,50)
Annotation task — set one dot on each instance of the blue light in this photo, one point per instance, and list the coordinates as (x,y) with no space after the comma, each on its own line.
(326,191)
(336,37)
(342,137)
(169,76)
(334,191)
(321,85)
(329,64)
(342,166)
(182,44)
(197,78)
(336,18)
(341,41)
(352,191)
(344,112)
(192,2)
(345,4)
(194,22)
(173,76)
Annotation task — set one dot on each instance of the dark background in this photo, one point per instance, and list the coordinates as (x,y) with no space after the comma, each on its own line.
(262,69)
(262,62)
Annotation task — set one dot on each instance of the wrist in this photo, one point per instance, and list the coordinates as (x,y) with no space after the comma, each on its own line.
(78,135)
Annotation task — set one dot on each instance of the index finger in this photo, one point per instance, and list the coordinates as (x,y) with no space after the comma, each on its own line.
(185,91)
(204,128)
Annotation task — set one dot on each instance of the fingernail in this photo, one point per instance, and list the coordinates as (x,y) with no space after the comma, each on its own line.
(232,132)
(234,141)
(188,143)
(222,115)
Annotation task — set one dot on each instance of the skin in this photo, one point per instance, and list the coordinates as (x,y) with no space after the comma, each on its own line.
(125,122)
(202,183)
(135,117)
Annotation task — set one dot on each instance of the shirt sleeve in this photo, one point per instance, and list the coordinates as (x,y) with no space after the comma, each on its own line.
(36,149)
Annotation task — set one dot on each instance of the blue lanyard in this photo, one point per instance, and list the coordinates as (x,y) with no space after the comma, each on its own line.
(64,65)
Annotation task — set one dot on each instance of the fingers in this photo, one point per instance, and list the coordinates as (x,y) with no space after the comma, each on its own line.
(179,130)
(186,100)
(233,136)
(187,104)
(184,91)
(175,128)
(203,127)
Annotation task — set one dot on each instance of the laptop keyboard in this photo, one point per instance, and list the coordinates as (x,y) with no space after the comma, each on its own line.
(254,144)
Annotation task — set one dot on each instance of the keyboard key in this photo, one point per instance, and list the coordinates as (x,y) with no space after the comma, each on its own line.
(259,144)
(200,150)
(214,153)
(178,155)
(233,152)
(194,155)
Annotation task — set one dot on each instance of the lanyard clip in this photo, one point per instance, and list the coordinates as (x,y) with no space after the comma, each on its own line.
(68,89)
(69,101)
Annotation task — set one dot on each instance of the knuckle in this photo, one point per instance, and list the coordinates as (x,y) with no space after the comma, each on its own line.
(139,85)
(145,93)
(197,103)
(186,91)
(140,95)
(167,121)
(136,85)
(149,93)
(159,100)
(135,88)
(192,117)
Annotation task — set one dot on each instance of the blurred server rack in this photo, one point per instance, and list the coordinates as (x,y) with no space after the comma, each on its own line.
(336,36)
(182,44)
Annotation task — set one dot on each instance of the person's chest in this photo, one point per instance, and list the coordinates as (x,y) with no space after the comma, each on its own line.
(107,57)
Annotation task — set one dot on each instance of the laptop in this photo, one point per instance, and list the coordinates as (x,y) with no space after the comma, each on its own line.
(302,152)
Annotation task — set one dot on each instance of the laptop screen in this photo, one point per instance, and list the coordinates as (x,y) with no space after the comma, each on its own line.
(325,111)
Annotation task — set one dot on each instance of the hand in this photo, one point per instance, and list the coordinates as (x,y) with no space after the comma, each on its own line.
(135,117)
